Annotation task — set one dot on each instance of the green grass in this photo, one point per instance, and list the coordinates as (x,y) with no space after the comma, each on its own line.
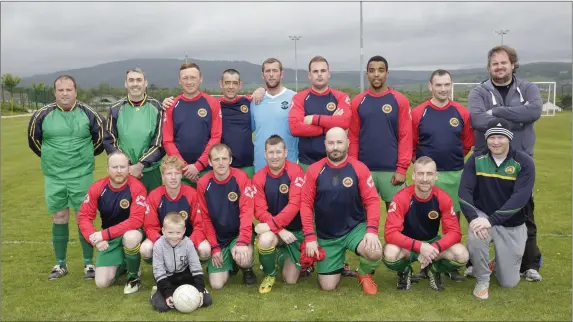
(27,258)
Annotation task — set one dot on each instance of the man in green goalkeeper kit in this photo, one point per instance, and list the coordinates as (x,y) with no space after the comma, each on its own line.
(134,126)
(66,135)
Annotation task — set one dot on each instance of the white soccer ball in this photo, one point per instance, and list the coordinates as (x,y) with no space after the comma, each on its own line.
(186,298)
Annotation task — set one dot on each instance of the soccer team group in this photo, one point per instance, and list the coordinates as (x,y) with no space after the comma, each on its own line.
(199,180)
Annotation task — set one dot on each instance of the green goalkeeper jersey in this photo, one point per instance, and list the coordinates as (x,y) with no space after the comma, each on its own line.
(66,141)
(135,129)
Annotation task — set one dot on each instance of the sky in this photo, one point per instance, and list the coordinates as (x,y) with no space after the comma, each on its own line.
(46,37)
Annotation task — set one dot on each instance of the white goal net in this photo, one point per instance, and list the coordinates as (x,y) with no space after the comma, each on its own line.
(460,92)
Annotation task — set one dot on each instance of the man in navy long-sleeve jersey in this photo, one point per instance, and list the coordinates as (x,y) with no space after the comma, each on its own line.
(339,197)
(495,188)
(518,102)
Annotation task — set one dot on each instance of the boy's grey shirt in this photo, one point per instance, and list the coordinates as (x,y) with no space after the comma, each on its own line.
(522,107)
(168,260)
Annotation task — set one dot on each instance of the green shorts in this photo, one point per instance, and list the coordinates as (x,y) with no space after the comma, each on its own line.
(250,171)
(449,181)
(335,249)
(152,179)
(292,250)
(383,183)
(114,255)
(227,257)
(64,194)
(414,255)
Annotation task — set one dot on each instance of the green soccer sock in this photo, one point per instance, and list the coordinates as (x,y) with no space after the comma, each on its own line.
(367,267)
(60,238)
(148,260)
(399,266)
(87,249)
(267,258)
(132,261)
(446,266)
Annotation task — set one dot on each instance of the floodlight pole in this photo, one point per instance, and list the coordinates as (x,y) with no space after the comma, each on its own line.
(502,32)
(295,38)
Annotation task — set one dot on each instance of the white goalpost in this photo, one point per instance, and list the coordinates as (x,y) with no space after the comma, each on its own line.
(460,92)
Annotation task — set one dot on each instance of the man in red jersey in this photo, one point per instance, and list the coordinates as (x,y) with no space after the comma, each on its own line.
(381,131)
(192,125)
(412,229)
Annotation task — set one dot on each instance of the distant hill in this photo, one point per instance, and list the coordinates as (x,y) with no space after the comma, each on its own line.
(163,73)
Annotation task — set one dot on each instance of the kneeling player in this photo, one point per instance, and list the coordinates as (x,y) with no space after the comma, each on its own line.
(225,202)
(277,205)
(346,208)
(173,197)
(175,263)
(412,226)
(120,200)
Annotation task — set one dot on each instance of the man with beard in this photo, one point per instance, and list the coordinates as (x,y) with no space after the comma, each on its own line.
(381,131)
(66,135)
(271,115)
(494,191)
(412,229)
(173,197)
(134,126)
(441,130)
(120,200)
(339,197)
(518,102)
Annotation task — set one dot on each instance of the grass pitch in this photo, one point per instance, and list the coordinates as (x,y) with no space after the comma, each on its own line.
(27,258)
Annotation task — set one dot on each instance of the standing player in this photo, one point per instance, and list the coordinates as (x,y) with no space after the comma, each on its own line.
(441,130)
(340,199)
(66,135)
(316,110)
(192,125)
(412,229)
(120,200)
(518,102)
(381,131)
(134,126)
(271,115)
(173,197)
(495,188)
(225,202)
(277,204)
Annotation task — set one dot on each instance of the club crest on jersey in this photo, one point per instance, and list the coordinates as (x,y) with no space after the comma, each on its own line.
(244,108)
(347,182)
(454,122)
(124,203)
(202,112)
(184,214)
(433,215)
(510,169)
(387,108)
(283,188)
(331,106)
(232,196)
(284,105)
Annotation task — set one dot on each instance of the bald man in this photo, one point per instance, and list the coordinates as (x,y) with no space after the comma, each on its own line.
(346,206)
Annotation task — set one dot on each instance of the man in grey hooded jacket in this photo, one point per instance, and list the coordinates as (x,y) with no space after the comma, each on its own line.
(519,102)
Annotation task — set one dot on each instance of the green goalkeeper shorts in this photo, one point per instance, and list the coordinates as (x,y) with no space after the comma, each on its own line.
(292,250)
(227,257)
(449,181)
(335,249)
(64,194)
(383,183)
(152,179)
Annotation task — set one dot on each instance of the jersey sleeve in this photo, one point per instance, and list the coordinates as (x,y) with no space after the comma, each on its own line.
(369,196)
(354,130)
(416,116)
(35,130)
(110,141)
(395,223)
(246,210)
(404,135)
(203,211)
(340,119)
(468,183)
(307,203)
(452,233)
(151,225)
(296,118)
(88,211)
(194,217)
(467,137)
(287,214)
(168,135)
(137,211)
(155,152)
(262,213)
(216,132)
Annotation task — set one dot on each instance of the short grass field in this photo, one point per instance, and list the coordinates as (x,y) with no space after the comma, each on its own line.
(27,258)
